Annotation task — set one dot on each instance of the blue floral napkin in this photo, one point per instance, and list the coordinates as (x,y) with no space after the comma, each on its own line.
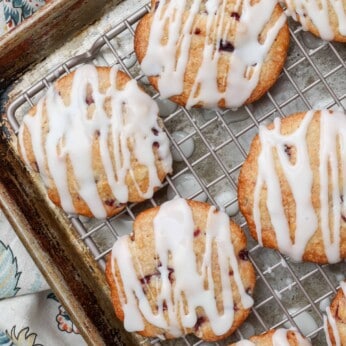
(30,314)
(13,12)
(18,273)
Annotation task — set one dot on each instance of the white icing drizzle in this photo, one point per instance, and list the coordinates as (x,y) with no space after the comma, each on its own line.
(245,343)
(317,12)
(326,331)
(246,60)
(343,287)
(36,142)
(174,234)
(302,341)
(332,322)
(300,179)
(71,133)
(279,338)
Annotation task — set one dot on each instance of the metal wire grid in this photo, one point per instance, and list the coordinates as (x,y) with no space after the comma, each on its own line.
(276,295)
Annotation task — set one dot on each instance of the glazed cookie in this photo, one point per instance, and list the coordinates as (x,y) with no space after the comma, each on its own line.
(96,141)
(212,53)
(185,269)
(325,19)
(292,186)
(335,323)
(279,337)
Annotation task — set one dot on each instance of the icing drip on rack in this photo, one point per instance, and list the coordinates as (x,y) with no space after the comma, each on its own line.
(300,180)
(332,322)
(174,235)
(245,55)
(317,12)
(71,132)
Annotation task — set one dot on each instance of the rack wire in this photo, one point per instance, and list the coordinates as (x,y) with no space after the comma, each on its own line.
(287,293)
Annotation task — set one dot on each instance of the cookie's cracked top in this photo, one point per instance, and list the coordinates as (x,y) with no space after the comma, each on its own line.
(214,53)
(292,185)
(96,141)
(184,270)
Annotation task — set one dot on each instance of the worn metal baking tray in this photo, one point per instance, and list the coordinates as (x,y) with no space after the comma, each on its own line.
(43,32)
(287,293)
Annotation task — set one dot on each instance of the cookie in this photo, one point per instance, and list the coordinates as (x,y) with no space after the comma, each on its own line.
(275,338)
(292,185)
(185,269)
(335,322)
(96,141)
(222,53)
(325,19)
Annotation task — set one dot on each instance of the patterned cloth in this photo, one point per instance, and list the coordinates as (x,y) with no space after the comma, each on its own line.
(13,12)
(31,315)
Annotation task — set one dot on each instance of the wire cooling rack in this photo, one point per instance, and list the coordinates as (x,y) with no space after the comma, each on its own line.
(209,148)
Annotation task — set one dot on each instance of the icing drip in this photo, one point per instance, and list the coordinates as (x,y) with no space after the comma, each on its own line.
(71,132)
(246,60)
(343,287)
(302,341)
(300,179)
(317,12)
(279,338)
(245,343)
(332,322)
(325,328)
(174,234)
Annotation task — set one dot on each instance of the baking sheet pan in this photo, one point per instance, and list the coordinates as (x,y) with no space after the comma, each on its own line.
(287,294)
